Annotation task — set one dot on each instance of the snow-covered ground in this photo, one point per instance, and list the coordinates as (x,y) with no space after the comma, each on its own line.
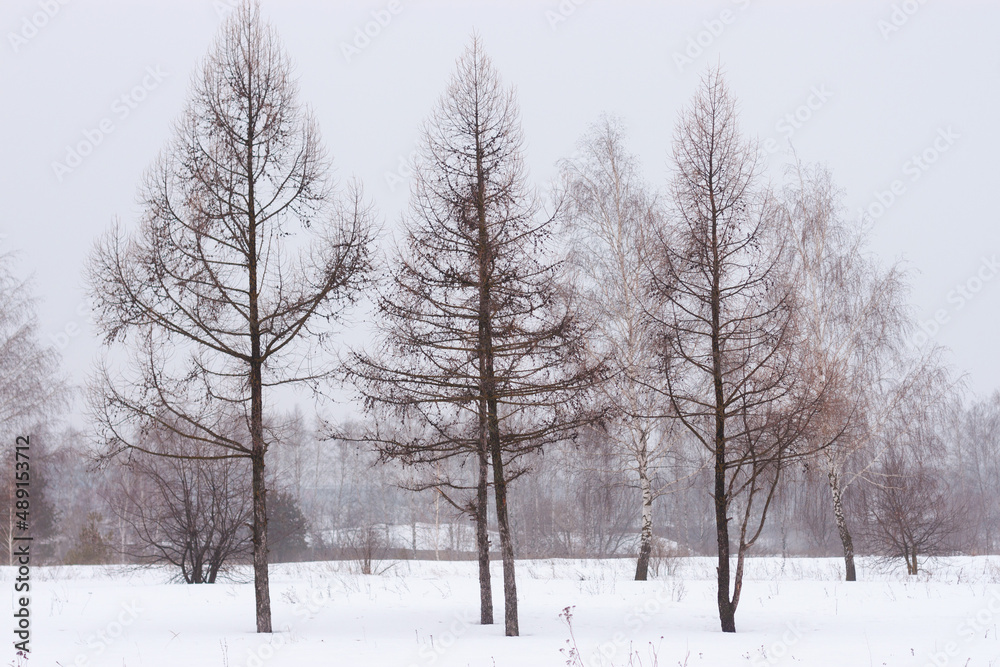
(793,612)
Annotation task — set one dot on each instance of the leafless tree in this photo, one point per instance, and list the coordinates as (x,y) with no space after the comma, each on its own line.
(733,370)
(977,471)
(244,256)
(30,389)
(479,346)
(910,509)
(855,318)
(368,546)
(184,508)
(611,218)
(30,386)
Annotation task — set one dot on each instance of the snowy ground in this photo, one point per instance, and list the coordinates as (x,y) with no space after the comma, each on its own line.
(793,612)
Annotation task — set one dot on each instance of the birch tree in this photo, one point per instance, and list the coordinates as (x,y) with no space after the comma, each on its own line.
(30,385)
(856,323)
(611,218)
(30,390)
(854,314)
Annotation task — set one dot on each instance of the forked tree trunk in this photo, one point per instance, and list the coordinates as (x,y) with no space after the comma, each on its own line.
(727,610)
(261,586)
(488,386)
(646,529)
(492,434)
(506,541)
(841,519)
(483,537)
(727,613)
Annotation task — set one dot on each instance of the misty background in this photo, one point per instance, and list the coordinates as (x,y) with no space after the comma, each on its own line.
(863,86)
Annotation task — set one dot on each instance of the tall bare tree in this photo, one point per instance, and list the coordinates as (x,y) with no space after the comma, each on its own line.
(732,368)
(479,345)
(611,218)
(855,319)
(244,255)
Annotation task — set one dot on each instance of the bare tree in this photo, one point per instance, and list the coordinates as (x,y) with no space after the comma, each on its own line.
(182,509)
(732,367)
(977,466)
(244,256)
(479,344)
(30,386)
(910,509)
(30,390)
(855,319)
(611,218)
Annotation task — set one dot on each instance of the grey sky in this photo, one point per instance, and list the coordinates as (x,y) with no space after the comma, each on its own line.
(874,84)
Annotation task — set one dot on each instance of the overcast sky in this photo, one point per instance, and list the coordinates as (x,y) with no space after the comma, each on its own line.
(900,99)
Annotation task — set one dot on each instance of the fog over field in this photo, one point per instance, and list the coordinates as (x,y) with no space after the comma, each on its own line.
(838,81)
(506,332)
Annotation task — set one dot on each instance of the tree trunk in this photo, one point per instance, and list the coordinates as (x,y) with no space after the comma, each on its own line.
(911,561)
(845,534)
(261,587)
(646,530)
(503,524)
(483,537)
(727,612)
(487,379)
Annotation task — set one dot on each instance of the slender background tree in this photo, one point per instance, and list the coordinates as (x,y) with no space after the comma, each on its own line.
(32,397)
(855,320)
(611,220)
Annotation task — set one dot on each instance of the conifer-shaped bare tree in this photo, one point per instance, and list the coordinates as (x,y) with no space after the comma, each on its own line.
(734,368)
(479,350)
(244,255)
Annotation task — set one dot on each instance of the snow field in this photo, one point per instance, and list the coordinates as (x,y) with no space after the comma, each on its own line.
(422,613)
